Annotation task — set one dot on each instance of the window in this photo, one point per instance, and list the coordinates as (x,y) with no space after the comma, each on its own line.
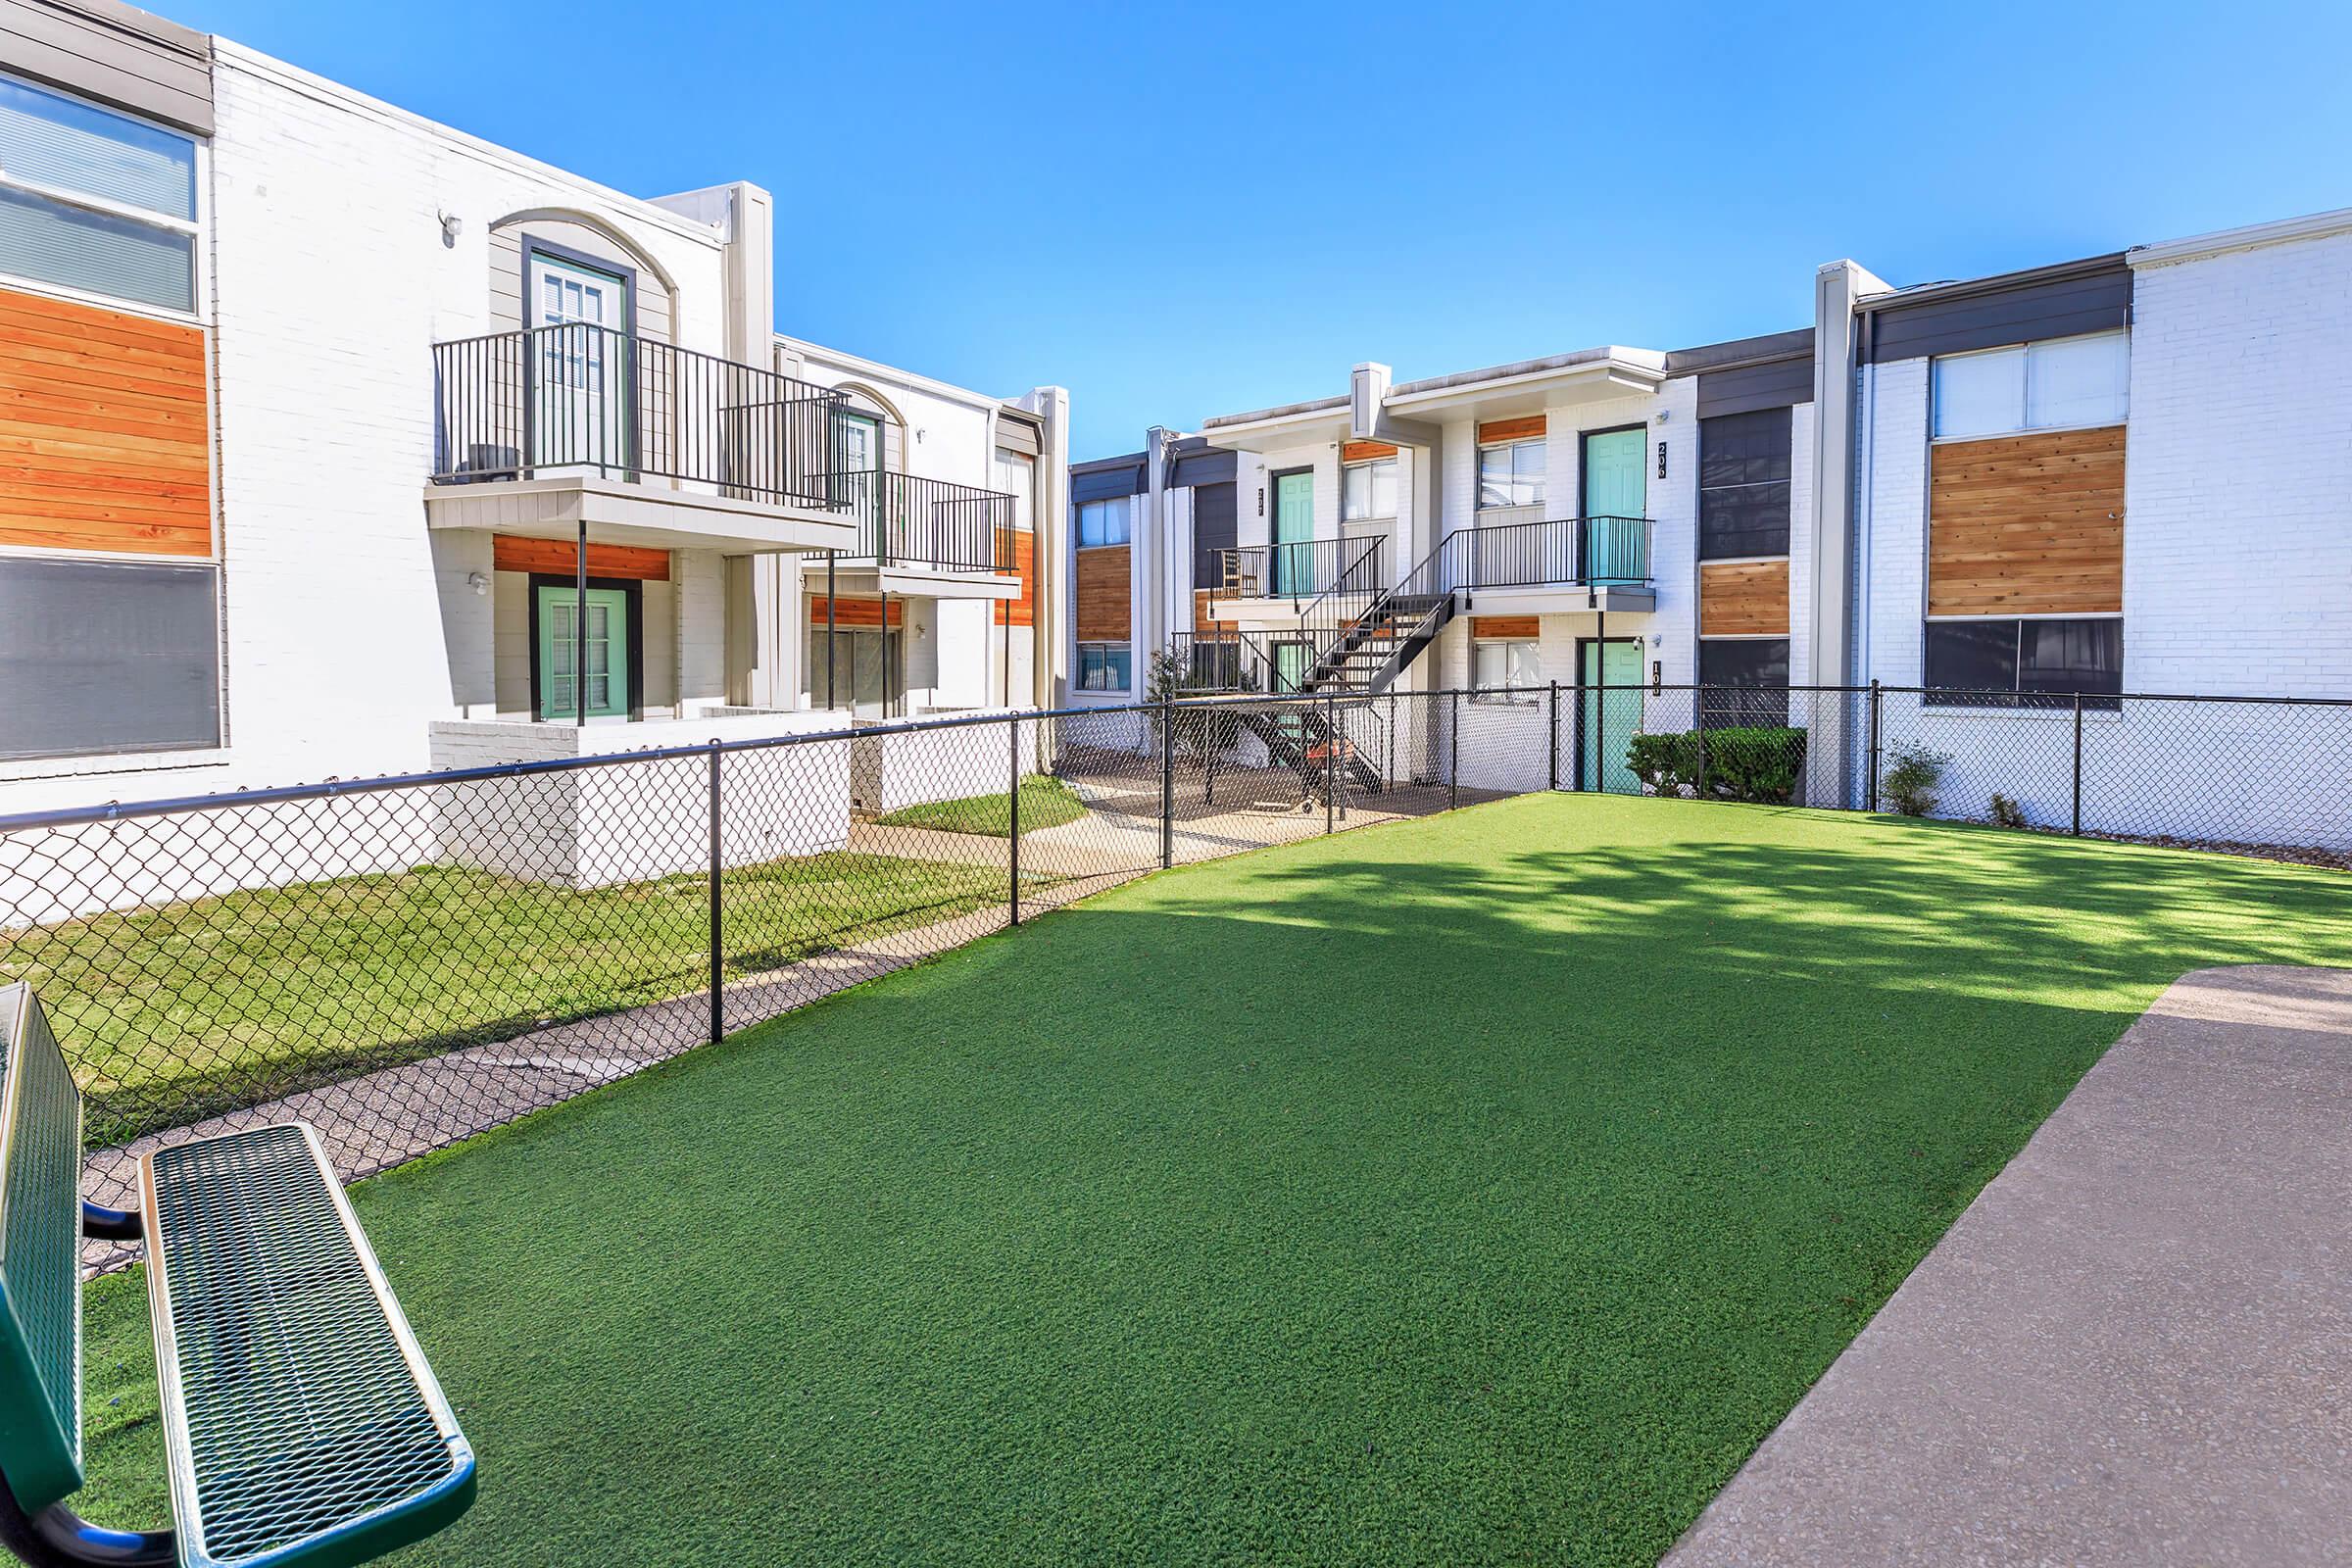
(1102,667)
(1511,475)
(95,201)
(1104,523)
(1980,662)
(106,657)
(1368,491)
(1744,485)
(2034,386)
(1498,663)
(1745,681)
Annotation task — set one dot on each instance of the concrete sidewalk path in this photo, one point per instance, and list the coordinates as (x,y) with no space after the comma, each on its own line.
(2134,1346)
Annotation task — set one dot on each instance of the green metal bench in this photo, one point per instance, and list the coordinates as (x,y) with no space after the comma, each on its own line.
(301,1421)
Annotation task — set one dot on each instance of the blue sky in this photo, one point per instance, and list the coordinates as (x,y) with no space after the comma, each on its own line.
(1180,210)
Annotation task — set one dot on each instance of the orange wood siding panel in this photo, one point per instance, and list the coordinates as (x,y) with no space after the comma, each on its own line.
(848,613)
(105,439)
(2026,524)
(1744,599)
(1021,549)
(1102,595)
(1510,628)
(510,554)
(1365,451)
(1511,430)
(1203,600)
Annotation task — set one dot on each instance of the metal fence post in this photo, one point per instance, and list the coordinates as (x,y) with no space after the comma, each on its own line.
(1551,772)
(1330,764)
(719,1022)
(1167,782)
(1873,804)
(2078,765)
(1012,799)
(1453,753)
(1698,737)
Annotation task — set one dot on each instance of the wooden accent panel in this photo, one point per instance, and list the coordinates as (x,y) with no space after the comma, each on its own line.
(508,552)
(105,438)
(1019,547)
(1744,599)
(1511,430)
(2026,524)
(1365,451)
(1513,628)
(1202,599)
(1102,595)
(860,613)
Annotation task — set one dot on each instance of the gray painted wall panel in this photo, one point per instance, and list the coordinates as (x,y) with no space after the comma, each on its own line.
(114,54)
(2063,307)
(1773,384)
(1204,467)
(1105,483)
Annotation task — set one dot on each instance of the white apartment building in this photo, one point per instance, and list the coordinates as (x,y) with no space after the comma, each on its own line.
(345,443)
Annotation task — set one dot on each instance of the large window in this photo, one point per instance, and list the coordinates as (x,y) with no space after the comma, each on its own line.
(1981,663)
(1368,491)
(1743,680)
(1505,669)
(1511,475)
(2064,382)
(1105,522)
(95,201)
(1104,666)
(108,656)
(1744,485)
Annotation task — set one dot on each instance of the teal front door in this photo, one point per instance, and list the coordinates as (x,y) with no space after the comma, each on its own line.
(1607,718)
(1294,528)
(607,649)
(1616,492)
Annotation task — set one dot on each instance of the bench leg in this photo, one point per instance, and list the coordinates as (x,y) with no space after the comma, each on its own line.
(58,1538)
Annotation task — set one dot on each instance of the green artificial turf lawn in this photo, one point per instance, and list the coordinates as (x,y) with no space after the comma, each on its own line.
(1471,1191)
(187,1009)
(1046,802)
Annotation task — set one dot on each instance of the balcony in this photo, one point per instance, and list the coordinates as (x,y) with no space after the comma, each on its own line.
(1593,555)
(552,431)
(1303,571)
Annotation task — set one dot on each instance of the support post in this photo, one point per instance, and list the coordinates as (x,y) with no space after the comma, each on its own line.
(1330,764)
(1167,782)
(1013,801)
(1873,747)
(718,1021)
(1453,753)
(2078,829)
(1698,712)
(1551,773)
(831,601)
(579,628)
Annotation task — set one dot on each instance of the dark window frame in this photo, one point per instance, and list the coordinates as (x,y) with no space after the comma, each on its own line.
(1740,702)
(1778,454)
(2059,690)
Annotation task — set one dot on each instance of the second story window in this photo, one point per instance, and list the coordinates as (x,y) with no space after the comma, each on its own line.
(2060,384)
(1368,491)
(1511,475)
(1744,485)
(1104,523)
(95,201)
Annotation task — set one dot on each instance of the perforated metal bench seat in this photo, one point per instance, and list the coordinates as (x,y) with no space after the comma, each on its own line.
(300,1420)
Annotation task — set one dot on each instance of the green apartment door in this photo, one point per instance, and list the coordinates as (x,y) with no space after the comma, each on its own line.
(1294,524)
(1608,720)
(608,652)
(1616,485)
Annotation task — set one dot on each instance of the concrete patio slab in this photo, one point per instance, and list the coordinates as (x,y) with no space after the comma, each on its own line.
(2134,1346)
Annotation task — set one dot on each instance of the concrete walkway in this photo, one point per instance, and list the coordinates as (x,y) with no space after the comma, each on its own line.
(2136,1346)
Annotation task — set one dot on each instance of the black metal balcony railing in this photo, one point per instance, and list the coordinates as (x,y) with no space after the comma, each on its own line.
(908,521)
(576,397)
(1304,569)
(1583,552)
(1224,660)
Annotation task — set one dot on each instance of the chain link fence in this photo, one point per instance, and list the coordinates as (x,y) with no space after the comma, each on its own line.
(406,961)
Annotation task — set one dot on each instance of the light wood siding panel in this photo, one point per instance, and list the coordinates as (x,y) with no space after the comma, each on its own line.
(865,613)
(1511,628)
(1366,451)
(105,440)
(508,552)
(1018,546)
(1203,600)
(1511,430)
(1102,595)
(1744,599)
(2026,524)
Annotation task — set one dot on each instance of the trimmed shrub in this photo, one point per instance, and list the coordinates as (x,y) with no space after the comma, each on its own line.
(1912,777)
(1753,762)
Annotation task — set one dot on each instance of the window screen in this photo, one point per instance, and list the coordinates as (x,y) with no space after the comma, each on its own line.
(99,657)
(1744,681)
(1744,484)
(2001,664)
(54,147)
(2062,382)
(1214,530)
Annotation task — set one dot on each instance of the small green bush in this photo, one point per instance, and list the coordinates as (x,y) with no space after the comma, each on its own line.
(2006,813)
(1743,762)
(1912,774)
